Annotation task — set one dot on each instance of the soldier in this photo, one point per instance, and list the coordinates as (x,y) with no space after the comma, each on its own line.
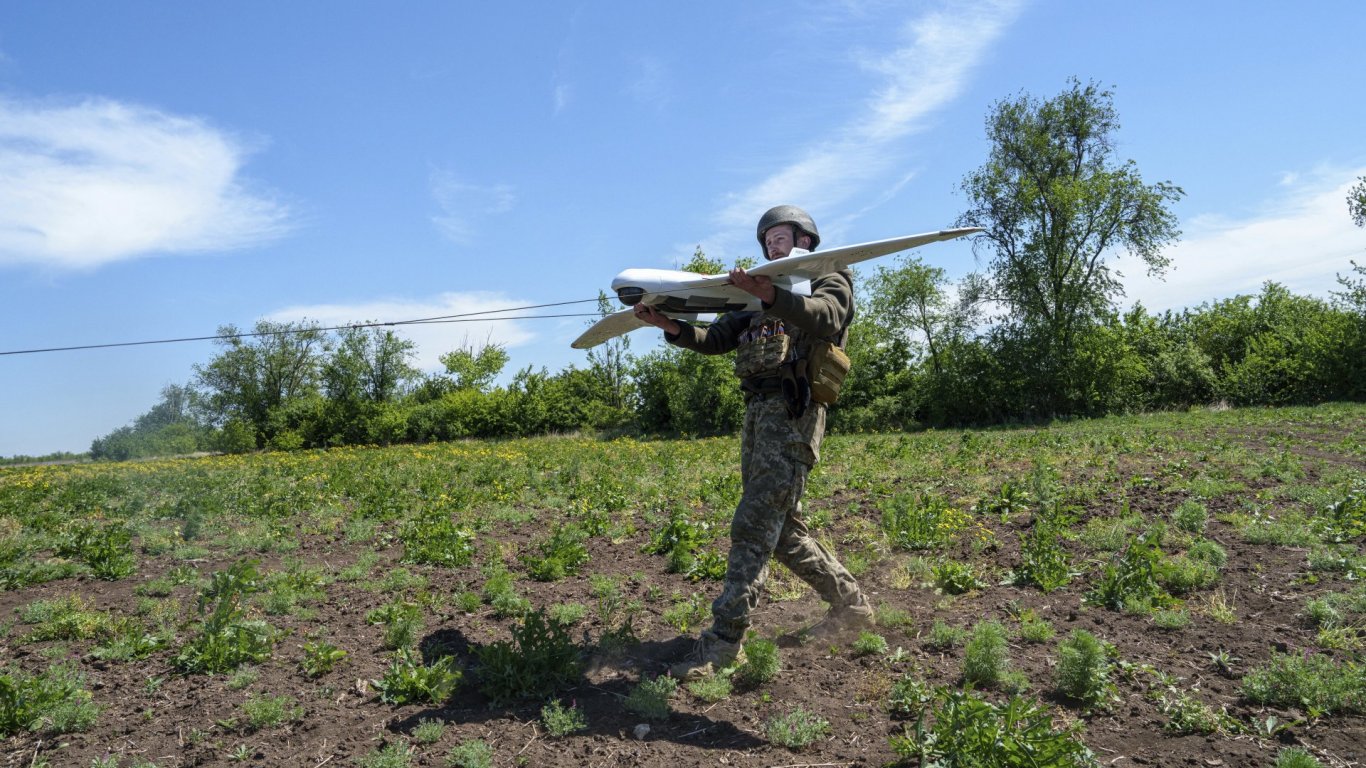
(780,442)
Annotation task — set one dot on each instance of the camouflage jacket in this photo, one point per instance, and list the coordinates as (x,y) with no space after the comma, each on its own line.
(826,313)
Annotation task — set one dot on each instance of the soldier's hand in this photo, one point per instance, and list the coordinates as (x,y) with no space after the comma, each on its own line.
(760,287)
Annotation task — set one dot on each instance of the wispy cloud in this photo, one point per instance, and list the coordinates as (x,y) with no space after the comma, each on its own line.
(649,86)
(82,185)
(939,52)
(463,205)
(432,339)
(1302,239)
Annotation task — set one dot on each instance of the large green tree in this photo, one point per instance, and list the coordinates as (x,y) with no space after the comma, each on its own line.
(1058,206)
(257,376)
(1356,202)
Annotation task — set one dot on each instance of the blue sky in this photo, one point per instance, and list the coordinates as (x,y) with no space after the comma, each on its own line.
(167,168)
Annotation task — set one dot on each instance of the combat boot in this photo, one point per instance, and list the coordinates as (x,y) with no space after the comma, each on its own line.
(841,623)
(709,656)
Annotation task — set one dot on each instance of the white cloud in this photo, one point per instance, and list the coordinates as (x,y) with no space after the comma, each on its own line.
(940,51)
(1302,239)
(100,181)
(432,339)
(463,205)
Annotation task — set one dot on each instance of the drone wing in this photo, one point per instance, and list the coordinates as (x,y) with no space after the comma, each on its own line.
(617,324)
(814,264)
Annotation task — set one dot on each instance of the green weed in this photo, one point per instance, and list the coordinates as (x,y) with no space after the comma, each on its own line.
(54,702)
(1083,670)
(540,660)
(470,754)
(409,681)
(433,538)
(650,698)
(797,729)
(1311,682)
(762,664)
(958,728)
(560,720)
(320,658)
(984,658)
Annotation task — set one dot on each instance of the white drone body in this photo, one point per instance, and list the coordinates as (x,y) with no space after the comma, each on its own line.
(685,295)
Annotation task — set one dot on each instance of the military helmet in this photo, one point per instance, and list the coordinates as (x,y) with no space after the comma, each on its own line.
(788,214)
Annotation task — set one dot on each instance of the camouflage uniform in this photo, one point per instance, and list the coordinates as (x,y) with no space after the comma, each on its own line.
(776,454)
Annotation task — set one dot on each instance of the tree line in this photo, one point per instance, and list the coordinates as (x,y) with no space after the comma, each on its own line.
(1038,334)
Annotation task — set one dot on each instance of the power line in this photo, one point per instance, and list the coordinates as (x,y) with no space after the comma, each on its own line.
(465,317)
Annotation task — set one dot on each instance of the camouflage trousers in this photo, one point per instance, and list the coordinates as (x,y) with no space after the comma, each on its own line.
(776,454)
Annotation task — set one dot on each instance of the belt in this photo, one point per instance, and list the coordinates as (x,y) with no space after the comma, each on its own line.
(767,385)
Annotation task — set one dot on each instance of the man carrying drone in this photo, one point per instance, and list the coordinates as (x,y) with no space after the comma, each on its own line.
(790,364)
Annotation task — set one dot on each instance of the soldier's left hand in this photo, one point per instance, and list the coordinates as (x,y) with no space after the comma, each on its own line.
(760,287)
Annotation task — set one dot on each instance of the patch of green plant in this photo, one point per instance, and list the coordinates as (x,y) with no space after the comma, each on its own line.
(500,592)
(684,543)
(239,579)
(797,729)
(1110,534)
(561,554)
(475,753)
(1311,682)
(65,618)
(128,640)
(1187,714)
(710,689)
(395,754)
(468,601)
(226,639)
(908,696)
(163,585)
(1206,551)
(540,660)
(560,720)
(55,702)
(568,614)
(360,569)
(107,548)
(1033,627)
(959,728)
(922,521)
(243,677)
(944,636)
(953,577)
(433,538)
(320,658)
(409,681)
(985,659)
(264,711)
(1171,620)
(1191,516)
(1291,529)
(1043,560)
(1083,670)
(401,620)
(762,664)
(1344,519)
(687,613)
(1294,757)
(869,644)
(1130,582)
(401,580)
(428,731)
(1181,574)
(650,698)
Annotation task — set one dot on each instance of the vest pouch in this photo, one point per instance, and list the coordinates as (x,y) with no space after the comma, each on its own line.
(827,367)
(762,356)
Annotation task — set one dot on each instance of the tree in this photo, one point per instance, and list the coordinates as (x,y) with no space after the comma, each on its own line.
(476,370)
(257,375)
(1056,206)
(1356,202)
(610,364)
(368,365)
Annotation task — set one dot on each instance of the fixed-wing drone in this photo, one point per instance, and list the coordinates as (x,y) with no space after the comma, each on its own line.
(685,295)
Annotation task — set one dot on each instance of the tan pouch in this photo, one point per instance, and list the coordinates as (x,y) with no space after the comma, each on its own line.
(762,356)
(827,366)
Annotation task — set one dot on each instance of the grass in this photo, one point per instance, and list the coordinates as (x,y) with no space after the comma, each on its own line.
(1174,521)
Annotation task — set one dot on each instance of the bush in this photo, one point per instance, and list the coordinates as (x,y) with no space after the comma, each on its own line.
(958,728)
(540,661)
(1083,670)
(650,698)
(55,702)
(984,659)
(797,729)
(409,681)
(762,663)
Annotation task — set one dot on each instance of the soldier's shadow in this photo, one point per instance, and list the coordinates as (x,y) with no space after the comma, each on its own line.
(599,694)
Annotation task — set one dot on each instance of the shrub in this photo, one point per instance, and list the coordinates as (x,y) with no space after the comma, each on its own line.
(921,521)
(797,729)
(54,701)
(984,658)
(470,754)
(1083,673)
(966,730)
(560,555)
(227,639)
(320,658)
(561,721)
(1043,561)
(762,663)
(1190,516)
(409,681)
(1309,681)
(650,698)
(433,538)
(540,660)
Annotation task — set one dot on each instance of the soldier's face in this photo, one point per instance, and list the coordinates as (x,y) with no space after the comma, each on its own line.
(779,241)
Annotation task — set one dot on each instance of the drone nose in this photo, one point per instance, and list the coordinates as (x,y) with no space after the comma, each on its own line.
(630,295)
